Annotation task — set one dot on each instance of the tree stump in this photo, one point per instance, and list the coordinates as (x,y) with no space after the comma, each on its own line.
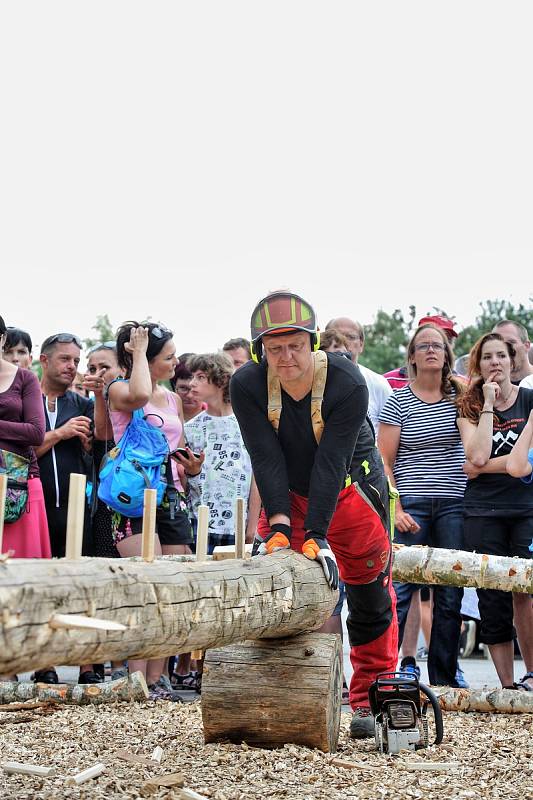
(273,692)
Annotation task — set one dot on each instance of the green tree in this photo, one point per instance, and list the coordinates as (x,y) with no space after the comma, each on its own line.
(104,329)
(492,311)
(386,340)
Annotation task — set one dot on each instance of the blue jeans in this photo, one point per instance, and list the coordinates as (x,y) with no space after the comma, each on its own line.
(441,525)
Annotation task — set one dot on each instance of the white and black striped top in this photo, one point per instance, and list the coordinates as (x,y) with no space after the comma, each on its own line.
(430,453)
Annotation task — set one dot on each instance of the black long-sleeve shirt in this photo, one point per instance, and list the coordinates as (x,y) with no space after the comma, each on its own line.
(291,459)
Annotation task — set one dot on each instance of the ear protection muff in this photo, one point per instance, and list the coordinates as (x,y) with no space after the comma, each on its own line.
(256,351)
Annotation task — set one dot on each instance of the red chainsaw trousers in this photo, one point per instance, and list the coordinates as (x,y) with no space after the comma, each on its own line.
(362,548)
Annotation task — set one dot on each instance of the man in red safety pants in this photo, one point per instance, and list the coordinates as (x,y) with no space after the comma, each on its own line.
(302,414)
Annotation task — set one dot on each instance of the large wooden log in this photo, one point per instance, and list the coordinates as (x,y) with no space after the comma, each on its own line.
(124,689)
(493,701)
(271,693)
(434,565)
(168,607)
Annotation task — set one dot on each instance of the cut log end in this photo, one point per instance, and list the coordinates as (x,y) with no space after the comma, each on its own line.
(272,693)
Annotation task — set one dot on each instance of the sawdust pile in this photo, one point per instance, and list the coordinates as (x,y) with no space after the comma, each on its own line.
(482,756)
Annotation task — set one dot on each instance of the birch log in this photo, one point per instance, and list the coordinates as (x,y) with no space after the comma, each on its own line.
(495,701)
(168,607)
(125,689)
(434,565)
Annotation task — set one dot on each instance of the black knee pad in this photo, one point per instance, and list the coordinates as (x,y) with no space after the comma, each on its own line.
(369,610)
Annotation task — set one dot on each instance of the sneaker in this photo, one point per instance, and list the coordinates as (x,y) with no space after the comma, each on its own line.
(409,668)
(45,676)
(467,641)
(460,679)
(422,654)
(120,672)
(89,676)
(362,725)
(160,691)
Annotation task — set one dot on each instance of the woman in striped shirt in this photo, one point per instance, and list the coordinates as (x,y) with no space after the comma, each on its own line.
(423,455)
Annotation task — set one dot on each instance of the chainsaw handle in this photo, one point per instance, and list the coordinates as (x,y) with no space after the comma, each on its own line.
(437,713)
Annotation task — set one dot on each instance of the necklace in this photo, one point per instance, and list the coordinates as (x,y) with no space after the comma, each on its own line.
(503,400)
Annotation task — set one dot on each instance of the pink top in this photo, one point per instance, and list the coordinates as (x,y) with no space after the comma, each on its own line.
(171,427)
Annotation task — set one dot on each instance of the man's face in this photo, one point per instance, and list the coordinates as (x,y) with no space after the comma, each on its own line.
(353,333)
(289,356)
(239,356)
(61,364)
(511,336)
(183,388)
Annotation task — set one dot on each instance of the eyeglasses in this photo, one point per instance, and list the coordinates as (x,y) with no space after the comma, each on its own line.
(425,346)
(102,346)
(63,338)
(183,389)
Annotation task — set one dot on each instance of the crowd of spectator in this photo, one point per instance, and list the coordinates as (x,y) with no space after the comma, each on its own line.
(457,447)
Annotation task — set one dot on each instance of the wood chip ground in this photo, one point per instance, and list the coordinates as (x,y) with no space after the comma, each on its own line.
(489,756)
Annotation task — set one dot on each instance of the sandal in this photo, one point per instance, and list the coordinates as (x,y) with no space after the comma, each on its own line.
(187,681)
(345,698)
(522,683)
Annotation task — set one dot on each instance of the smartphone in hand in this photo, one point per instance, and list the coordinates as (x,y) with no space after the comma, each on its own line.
(183,452)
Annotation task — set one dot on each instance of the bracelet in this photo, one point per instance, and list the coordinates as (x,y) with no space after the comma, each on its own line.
(487,411)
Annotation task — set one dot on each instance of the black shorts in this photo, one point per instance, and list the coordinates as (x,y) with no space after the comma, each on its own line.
(170,531)
(498,536)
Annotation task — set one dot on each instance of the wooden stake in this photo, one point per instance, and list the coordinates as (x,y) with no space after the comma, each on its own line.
(14,768)
(86,775)
(78,621)
(3,490)
(240,528)
(148,530)
(75,516)
(202,533)
(201,553)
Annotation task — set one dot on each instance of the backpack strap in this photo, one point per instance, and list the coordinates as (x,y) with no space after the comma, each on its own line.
(317,395)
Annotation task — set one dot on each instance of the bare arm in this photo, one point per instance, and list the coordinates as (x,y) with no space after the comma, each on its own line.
(518,464)
(388,443)
(493,465)
(134,393)
(477,439)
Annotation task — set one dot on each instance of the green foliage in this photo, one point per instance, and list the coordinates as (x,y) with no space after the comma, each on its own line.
(387,337)
(386,340)
(104,329)
(493,311)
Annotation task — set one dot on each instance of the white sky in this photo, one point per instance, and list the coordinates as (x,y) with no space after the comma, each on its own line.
(181,159)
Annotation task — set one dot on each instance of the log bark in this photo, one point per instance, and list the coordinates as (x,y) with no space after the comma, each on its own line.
(493,701)
(168,607)
(271,693)
(125,689)
(434,565)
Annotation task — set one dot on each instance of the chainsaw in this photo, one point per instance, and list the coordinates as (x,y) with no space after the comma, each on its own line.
(399,704)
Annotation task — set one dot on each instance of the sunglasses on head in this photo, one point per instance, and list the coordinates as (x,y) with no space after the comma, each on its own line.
(160,332)
(63,338)
(102,346)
